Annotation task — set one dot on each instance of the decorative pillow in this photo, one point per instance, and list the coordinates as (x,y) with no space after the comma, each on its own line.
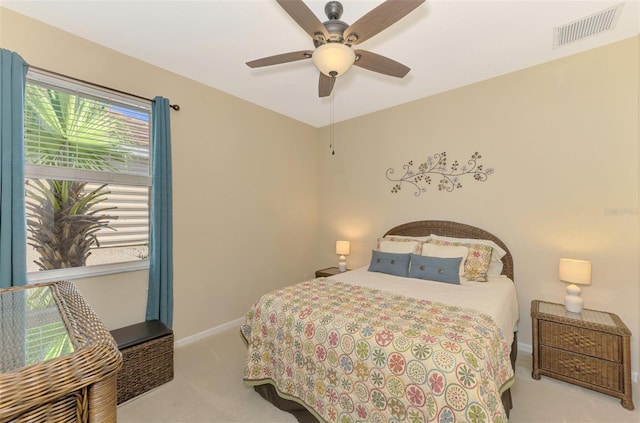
(433,250)
(390,263)
(401,245)
(476,266)
(437,269)
(495,268)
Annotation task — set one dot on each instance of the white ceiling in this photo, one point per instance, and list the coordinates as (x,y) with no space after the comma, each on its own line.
(446,43)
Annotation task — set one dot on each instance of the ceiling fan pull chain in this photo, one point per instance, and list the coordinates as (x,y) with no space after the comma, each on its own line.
(332,139)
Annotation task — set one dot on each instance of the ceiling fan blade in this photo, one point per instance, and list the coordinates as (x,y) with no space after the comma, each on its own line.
(377,63)
(280,58)
(304,17)
(378,19)
(325,85)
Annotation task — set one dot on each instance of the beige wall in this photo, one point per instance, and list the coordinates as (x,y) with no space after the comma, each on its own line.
(245,220)
(563,139)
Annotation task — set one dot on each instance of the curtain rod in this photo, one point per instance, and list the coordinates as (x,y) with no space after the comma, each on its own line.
(173,106)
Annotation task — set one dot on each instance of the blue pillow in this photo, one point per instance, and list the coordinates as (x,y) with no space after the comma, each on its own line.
(390,263)
(435,268)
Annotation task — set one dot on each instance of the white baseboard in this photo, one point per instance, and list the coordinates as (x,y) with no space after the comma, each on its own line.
(198,336)
(527,348)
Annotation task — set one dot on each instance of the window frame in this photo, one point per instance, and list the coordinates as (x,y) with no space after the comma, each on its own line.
(33,171)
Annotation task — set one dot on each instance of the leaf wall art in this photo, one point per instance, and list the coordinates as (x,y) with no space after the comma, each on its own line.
(436,169)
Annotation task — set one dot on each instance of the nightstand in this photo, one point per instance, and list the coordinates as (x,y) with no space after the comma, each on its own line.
(589,349)
(328,272)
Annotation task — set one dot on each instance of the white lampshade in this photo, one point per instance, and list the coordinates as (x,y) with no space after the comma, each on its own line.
(342,248)
(574,272)
(333,59)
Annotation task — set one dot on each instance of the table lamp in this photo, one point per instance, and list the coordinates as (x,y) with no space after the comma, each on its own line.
(574,272)
(342,249)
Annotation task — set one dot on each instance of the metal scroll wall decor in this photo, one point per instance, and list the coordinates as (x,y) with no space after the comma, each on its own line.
(436,167)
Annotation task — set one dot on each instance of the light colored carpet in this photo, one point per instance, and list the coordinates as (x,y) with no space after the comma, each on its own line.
(208,387)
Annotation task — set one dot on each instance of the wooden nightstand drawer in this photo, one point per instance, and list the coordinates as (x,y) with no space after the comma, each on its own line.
(594,371)
(579,340)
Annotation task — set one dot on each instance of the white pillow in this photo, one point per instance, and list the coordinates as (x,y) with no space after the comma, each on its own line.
(413,238)
(399,245)
(495,266)
(445,251)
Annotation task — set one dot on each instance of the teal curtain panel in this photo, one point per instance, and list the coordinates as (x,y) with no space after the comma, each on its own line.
(160,293)
(13,221)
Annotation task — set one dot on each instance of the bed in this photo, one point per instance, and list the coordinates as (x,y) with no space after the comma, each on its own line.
(372,346)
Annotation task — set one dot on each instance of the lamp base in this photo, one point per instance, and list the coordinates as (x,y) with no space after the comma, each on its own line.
(572,301)
(342,264)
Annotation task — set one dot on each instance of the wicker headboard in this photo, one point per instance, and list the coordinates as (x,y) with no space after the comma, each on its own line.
(454,229)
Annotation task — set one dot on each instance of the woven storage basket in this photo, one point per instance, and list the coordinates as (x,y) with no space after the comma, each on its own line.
(147,360)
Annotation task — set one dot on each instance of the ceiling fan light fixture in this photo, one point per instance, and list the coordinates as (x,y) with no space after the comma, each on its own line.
(333,59)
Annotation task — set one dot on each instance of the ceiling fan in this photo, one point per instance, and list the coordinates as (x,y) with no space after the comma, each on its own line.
(333,39)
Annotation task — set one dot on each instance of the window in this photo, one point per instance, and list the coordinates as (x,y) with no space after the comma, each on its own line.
(88,179)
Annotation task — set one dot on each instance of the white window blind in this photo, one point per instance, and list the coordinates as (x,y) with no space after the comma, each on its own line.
(86,130)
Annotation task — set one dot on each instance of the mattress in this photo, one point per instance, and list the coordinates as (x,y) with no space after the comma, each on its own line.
(496,297)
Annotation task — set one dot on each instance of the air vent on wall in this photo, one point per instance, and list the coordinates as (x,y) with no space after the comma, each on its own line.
(586,27)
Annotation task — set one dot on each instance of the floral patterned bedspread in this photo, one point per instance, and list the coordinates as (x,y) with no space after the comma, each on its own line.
(350,353)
